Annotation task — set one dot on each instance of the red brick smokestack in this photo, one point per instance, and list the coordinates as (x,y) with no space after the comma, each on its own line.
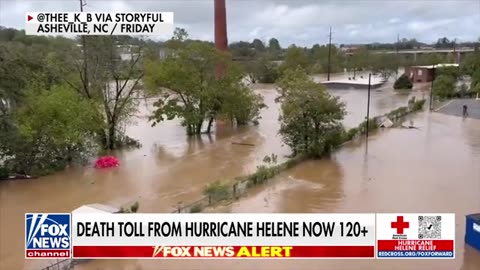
(221,42)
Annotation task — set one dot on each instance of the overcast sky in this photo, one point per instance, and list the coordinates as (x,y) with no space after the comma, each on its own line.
(303,22)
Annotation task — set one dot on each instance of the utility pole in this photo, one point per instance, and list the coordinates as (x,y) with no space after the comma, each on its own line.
(82,4)
(431,88)
(329,53)
(396,56)
(84,52)
(368,101)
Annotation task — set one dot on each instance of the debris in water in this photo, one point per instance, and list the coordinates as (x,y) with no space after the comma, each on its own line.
(247,144)
(387,123)
(106,162)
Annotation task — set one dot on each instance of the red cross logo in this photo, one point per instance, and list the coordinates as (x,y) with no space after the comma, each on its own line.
(400,225)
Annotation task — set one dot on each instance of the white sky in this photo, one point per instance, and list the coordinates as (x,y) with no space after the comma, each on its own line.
(303,22)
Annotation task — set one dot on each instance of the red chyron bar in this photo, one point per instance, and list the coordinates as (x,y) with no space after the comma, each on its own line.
(224,251)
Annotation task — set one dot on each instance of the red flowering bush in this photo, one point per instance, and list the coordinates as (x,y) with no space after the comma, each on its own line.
(106,162)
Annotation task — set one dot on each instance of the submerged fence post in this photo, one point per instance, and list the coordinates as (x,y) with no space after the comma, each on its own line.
(368,101)
(235,190)
(179,207)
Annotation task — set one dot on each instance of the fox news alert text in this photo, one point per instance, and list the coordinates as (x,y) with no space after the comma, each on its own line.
(102,236)
(98,23)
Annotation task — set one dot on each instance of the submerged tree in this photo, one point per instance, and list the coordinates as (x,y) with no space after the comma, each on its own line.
(471,67)
(384,64)
(189,89)
(310,118)
(444,86)
(108,73)
(295,57)
(54,127)
(403,82)
(263,70)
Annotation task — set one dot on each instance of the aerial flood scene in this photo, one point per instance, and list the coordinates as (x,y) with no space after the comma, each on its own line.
(260,107)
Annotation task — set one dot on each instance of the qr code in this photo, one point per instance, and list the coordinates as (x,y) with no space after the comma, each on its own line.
(429,227)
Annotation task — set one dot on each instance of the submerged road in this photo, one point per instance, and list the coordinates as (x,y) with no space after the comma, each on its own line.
(455,107)
(435,168)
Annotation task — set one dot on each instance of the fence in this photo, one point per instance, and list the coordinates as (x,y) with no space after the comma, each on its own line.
(221,192)
(66,264)
(217,192)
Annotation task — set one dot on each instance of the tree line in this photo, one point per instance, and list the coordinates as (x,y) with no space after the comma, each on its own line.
(64,100)
(266,62)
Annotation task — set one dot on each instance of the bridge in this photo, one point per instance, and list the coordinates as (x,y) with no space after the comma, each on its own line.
(459,50)
(458,53)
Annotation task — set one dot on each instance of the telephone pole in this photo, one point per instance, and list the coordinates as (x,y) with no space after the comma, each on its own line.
(396,55)
(84,52)
(82,4)
(329,53)
(368,102)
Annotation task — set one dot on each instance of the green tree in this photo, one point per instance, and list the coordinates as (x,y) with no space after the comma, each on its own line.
(475,84)
(190,90)
(258,46)
(384,64)
(319,59)
(403,82)
(444,86)
(359,60)
(178,39)
(431,59)
(54,127)
(273,44)
(99,74)
(295,57)
(448,71)
(310,116)
(471,63)
(274,49)
(24,60)
(242,49)
(471,66)
(264,71)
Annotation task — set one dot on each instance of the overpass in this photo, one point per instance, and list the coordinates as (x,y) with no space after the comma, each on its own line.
(459,50)
(458,53)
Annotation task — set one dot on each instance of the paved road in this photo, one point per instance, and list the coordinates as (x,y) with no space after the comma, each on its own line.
(454,107)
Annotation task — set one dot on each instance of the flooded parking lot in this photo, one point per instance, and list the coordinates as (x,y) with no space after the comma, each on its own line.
(170,169)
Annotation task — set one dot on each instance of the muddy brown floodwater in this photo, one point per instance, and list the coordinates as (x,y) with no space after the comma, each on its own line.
(170,168)
(433,169)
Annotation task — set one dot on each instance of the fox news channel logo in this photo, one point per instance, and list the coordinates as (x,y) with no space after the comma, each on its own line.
(47,235)
(416,236)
